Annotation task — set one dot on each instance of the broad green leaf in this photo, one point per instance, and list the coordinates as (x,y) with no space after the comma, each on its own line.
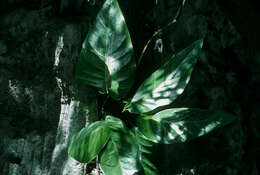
(86,144)
(121,155)
(114,122)
(182,124)
(167,83)
(107,57)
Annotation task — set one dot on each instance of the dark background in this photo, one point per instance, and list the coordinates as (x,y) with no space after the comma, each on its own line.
(226,77)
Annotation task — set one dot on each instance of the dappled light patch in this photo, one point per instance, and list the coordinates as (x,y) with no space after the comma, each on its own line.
(107,57)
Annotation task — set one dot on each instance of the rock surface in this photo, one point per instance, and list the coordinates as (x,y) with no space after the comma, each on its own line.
(41,107)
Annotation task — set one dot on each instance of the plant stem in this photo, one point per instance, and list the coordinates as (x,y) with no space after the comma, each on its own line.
(177,16)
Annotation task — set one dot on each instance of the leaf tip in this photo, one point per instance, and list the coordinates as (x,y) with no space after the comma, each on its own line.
(126,107)
(201,42)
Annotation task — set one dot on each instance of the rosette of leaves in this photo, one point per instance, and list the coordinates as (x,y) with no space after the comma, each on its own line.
(107,64)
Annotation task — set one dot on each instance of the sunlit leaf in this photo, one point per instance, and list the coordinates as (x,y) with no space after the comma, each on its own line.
(121,155)
(182,124)
(86,145)
(107,57)
(167,83)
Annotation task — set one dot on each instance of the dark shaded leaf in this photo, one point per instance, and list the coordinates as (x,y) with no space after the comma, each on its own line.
(121,155)
(182,124)
(86,145)
(167,83)
(144,144)
(107,57)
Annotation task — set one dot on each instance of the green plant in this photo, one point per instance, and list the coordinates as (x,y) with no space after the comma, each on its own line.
(107,63)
